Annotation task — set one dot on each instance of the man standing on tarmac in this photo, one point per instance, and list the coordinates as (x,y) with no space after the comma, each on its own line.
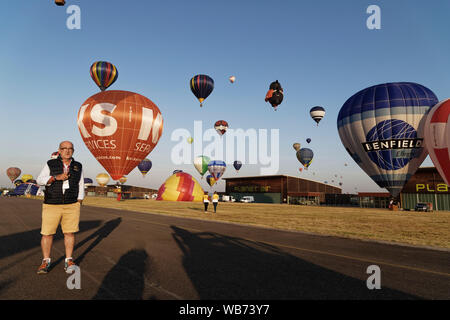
(64,192)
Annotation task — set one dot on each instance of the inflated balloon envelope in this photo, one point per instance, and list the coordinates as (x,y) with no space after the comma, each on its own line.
(120,128)
(382,128)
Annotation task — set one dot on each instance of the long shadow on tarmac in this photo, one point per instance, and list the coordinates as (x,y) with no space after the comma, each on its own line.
(15,243)
(222,267)
(126,279)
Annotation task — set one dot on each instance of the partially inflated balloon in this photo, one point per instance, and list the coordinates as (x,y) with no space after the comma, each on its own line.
(120,128)
(381,127)
(145,166)
(437,138)
(180,187)
(296,146)
(26,177)
(13,173)
(201,164)
(102,179)
(201,86)
(210,180)
(217,168)
(104,74)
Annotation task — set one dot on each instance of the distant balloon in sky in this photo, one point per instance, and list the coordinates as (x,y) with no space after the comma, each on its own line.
(201,86)
(123,179)
(305,156)
(308,140)
(104,74)
(190,140)
(382,128)
(275,94)
(237,165)
(437,138)
(232,79)
(60,2)
(221,127)
(120,128)
(102,179)
(210,180)
(88,182)
(296,146)
(217,168)
(145,166)
(317,113)
(300,169)
(13,173)
(201,164)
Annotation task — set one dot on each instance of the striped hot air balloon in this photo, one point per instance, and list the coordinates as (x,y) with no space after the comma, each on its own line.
(382,128)
(102,179)
(123,179)
(317,113)
(180,187)
(437,138)
(104,74)
(201,164)
(221,127)
(210,180)
(217,168)
(201,86)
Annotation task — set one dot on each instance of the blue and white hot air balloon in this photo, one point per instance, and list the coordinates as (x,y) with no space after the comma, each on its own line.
(317,113)
(216,168)
(382,128)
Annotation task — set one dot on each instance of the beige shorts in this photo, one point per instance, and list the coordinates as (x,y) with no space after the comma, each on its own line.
(66,214)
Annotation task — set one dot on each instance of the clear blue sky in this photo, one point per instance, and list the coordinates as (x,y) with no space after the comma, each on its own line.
(321,52)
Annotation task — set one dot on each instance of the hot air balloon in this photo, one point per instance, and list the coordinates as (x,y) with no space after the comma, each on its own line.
(88,182)
(102,179)
(190,140)
(437,138)
(13,173)
(308,140)
(217,168)
(104,74)
(201,164)
(221,127)
(26,177)
(232,79)
(381,127)
(296,146)
(60,2)
(340,183)
(275,94)
(180,187)
(237,165)
(122,180)
(210,180)
(305,156)
(201,86)
(300,169)
(145,166)
(317,113)
(120,128)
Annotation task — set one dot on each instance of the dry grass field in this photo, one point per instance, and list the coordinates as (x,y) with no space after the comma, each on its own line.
(426,229)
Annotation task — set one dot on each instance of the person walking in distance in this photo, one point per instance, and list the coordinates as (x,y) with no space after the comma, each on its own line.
(64,193)
(215,200)
(206,201)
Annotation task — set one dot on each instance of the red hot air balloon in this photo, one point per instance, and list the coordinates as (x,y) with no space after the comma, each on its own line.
(13,173)
(120,128)
(437,138)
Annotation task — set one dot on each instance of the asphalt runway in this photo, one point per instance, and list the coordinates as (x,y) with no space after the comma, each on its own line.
(129,255)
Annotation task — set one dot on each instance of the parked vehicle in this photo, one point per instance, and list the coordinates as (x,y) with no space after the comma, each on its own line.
(248,199)
(226,198)
(424,206)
